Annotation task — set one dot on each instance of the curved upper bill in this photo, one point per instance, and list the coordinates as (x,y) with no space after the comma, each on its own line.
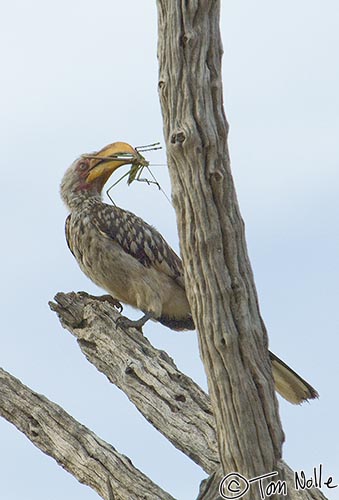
(108,159)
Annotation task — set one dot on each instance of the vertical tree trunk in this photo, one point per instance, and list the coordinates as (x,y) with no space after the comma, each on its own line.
(219,279)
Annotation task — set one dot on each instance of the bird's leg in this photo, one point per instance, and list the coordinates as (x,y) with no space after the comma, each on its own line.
(122,321)
(104,298)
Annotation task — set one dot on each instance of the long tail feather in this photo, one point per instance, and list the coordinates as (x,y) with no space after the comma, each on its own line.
(289,384)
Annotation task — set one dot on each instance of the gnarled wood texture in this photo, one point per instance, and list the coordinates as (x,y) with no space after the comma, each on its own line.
(88,458)
(218,275)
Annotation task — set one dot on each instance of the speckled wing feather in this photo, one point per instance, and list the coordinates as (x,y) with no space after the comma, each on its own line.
(68,233)
(139,239)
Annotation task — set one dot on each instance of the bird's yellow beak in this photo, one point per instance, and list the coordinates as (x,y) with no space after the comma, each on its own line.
(108,159)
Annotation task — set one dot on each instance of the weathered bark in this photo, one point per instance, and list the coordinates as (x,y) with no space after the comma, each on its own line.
(77,449)
(166,397)
(149,377)
(218,275)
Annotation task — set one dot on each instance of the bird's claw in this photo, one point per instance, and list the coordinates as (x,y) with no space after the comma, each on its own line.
(113,301)
(104,298)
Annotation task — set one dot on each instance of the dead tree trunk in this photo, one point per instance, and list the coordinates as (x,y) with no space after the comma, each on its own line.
(246,434)
(219,279)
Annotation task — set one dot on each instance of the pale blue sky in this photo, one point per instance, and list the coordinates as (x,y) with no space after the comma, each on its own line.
(77,75)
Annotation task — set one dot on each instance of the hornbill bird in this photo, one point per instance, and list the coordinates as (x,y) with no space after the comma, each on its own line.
(130,259)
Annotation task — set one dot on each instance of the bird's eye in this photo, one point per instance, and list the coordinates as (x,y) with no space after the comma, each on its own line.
(83,165)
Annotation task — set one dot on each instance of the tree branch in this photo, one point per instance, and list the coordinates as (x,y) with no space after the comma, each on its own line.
(166,397)
(78,450)
(219,280)
(148,376)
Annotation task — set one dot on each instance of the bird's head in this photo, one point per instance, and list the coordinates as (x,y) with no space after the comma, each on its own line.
(89,173)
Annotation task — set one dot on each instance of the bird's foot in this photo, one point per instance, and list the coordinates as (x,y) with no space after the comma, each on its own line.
(124,322)
(104,298)
(111,300)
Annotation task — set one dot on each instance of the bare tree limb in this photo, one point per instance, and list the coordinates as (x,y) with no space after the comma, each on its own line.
(148,376)
(180,409)
(78,450)
(219,279)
